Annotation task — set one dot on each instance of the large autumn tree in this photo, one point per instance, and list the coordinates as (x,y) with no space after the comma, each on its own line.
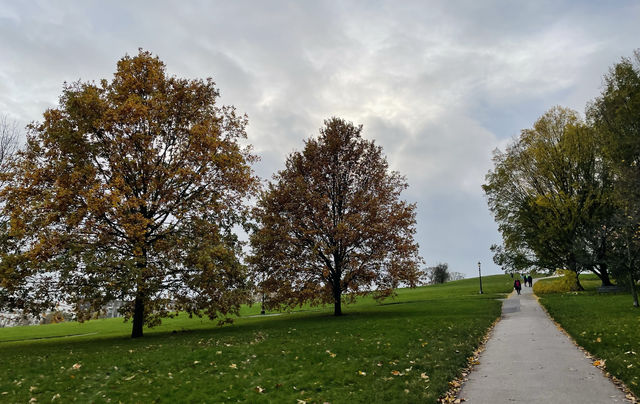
(331,225)
(130,190)
(551,194)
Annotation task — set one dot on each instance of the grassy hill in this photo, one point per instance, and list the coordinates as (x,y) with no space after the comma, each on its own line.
(403,350)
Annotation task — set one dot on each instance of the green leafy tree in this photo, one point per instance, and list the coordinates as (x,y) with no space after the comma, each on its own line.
(550,193)
(129,190)
(331,225)
(615,115)
(439,273)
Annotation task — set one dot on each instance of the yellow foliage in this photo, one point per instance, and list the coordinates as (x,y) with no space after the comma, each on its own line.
(565,283)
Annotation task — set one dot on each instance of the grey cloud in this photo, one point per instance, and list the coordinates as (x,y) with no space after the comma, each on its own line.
(438,84)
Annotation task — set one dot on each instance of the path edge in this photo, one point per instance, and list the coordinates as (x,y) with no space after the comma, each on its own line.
(620,385)
(455,385)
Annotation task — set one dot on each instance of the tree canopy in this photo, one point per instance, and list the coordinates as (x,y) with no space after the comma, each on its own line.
(615,115)
(331,224)
(550,193)
(129,190)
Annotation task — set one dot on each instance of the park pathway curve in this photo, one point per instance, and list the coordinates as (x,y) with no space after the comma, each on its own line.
(528,360)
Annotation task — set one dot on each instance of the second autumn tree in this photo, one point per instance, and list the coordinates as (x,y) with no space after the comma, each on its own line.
(332,226)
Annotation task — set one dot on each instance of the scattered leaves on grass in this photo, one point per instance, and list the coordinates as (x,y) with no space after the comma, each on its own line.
(55,397)
(599,363)
(330,353)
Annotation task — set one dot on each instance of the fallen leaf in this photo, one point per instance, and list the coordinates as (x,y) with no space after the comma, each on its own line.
(259,389)
(130,377)
(361,373)
(424,376)
(76,366)
(598,339)
(55,397)
(233,366)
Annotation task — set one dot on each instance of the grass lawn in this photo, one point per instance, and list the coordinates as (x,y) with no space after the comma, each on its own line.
(404,350)
(606,325)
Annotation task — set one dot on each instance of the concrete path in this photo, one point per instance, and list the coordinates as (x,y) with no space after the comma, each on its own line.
(528,360)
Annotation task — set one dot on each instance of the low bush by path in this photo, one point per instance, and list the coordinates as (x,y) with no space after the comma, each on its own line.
(404,350)
(606,325)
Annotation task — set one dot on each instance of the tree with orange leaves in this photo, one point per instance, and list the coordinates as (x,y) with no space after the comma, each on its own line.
(130,190)
(331,225)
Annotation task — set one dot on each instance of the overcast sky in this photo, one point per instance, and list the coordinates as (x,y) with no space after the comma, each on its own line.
(438,84)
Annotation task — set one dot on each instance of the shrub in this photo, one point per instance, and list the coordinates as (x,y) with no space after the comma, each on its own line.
(567,282)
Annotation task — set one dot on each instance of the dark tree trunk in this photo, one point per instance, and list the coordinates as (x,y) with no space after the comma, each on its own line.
(138,316)
(337,306)
(138,306)
(573,266)
(634,289)
(337,298)
(604,275)
(578,281)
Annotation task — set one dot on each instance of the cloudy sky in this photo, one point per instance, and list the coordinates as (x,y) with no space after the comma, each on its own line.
(438,84)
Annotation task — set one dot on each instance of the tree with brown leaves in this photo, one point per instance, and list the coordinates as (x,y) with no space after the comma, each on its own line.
(130,190)
(332,226)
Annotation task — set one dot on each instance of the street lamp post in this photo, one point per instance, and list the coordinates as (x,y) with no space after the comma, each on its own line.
(480,277)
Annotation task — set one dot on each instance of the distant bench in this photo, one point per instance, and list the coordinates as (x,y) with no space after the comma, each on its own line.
(612,289)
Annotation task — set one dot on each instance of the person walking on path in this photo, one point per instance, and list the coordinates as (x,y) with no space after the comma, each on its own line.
(551,370)
(517,285)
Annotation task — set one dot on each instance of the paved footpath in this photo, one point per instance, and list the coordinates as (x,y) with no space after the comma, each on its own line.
(528,360)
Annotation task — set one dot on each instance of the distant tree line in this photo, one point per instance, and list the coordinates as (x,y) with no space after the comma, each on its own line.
(566,192)
(131,190)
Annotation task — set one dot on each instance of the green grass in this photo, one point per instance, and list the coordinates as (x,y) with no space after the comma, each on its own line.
(405,350)
(606,325)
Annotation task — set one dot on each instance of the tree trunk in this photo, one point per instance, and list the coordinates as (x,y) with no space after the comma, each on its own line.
(573,266)
(337,306)
(634,290)
(604,275)
(337,298)
(578,281)
(138,306)
(632,281)
(138,316)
